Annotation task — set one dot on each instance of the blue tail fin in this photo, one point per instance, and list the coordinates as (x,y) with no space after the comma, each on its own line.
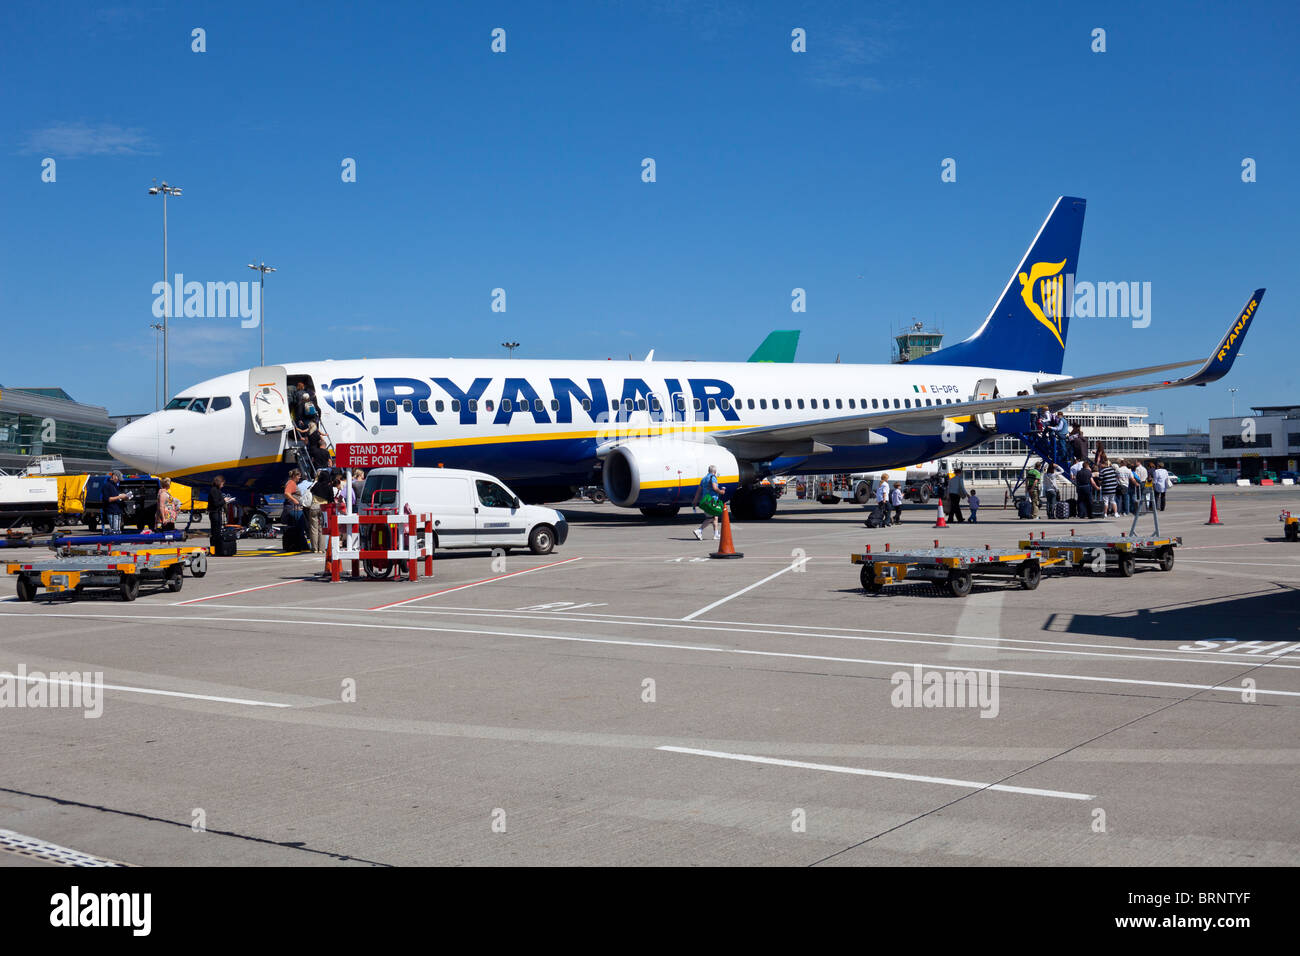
(1027,329)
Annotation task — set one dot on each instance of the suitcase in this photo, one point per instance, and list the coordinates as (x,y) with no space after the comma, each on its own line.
(1062,510)
(294,539)
(1024,508)
(226,544)
(875,519)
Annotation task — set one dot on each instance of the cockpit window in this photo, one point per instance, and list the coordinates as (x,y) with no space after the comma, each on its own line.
(220,402)
(179,402)
(200,405)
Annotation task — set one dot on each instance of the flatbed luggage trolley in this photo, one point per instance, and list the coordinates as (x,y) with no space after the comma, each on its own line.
(951,569)
(1121,553)
(81,572)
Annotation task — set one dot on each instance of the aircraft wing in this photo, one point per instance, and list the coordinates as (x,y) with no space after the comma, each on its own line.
(810,437)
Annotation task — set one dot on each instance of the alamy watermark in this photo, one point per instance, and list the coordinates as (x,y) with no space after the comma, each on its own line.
(946,688)
(212,300)
(74,690)
(1109,300)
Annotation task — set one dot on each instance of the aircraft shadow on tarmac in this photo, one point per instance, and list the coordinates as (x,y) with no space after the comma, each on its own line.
(1256,616)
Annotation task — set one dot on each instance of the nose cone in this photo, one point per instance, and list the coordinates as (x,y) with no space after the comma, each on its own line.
(136,444)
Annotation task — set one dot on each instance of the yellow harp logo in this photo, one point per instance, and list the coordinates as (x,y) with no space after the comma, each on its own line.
(1051,291)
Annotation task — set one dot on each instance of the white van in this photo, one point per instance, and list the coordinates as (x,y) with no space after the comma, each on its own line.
(470,509)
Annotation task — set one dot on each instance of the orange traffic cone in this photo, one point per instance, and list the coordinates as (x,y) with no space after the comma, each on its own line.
(726,549)
(941,523)
(1214,512)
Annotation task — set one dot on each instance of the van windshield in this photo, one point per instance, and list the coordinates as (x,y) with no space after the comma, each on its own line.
(379,491)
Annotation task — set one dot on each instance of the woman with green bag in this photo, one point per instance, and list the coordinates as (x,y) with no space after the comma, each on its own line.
(708,497)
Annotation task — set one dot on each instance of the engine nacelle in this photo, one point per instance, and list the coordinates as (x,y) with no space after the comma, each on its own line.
(644,472)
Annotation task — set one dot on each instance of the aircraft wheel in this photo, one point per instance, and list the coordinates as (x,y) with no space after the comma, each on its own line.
(762,505)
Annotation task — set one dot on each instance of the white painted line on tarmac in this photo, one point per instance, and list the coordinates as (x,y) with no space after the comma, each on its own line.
(890,775)
(213,597)
(474,584)
(704,610)
(41,679)
(699,648)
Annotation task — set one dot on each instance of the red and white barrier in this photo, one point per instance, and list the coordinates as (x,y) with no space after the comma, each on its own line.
(413,543)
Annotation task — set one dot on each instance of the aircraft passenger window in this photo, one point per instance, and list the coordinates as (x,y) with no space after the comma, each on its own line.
(826,403)
(492,495)
(698,406)
(424,405)
(356,406)
(538,405)
(907,403)
(437,406)
(875,403)
(374,406)
(586,404)
(713,403)
(896,403)
(681,404)
(762,403)
(787,403)
(391,406)
(725,404)
(406,404)
(555,404)
(220,402)
(801,403)
(613,404)
(178,403)
(338,406)
(751,403)
(928,402)
(487,406)
(455,404)
(640,404)
(473,404)
(851,403)
(506,405)
(839,403)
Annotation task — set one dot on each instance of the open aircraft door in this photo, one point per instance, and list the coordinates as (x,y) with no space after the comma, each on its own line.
(986,388)
(268,399)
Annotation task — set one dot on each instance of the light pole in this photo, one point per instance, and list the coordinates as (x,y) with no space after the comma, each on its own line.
(157,327)
(510,348)
(1233,392)
(263,268)
(165,190)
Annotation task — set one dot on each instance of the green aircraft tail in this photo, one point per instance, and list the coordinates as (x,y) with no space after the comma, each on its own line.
(777,347)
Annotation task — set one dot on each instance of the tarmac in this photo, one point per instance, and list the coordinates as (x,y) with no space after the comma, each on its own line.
(627,701)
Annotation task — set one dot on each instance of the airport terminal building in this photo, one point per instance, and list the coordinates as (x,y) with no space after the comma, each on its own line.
(1266,440)
(46,420)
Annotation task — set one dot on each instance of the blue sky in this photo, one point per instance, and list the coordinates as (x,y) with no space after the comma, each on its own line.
(522,170)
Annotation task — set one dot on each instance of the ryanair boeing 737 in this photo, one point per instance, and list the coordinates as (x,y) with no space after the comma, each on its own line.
(650,430)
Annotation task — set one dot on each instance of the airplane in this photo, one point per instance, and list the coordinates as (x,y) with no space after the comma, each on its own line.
(648,431)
